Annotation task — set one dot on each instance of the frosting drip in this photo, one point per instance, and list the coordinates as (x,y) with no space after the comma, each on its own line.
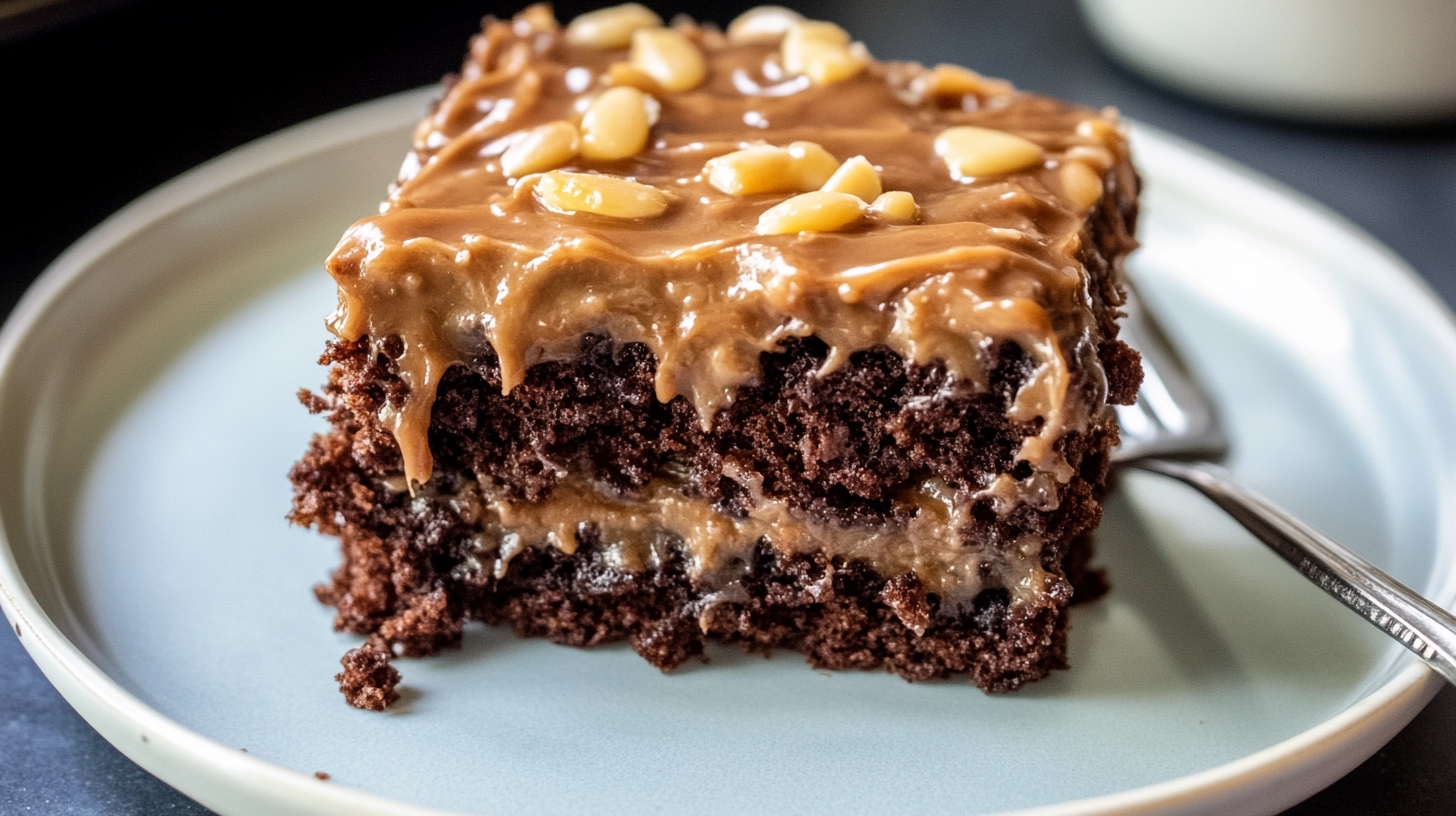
(462,256)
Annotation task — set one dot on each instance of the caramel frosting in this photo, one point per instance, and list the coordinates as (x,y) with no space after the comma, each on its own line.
(500,230)
(638,532)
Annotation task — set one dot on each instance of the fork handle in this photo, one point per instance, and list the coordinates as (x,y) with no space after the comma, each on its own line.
(1393,607)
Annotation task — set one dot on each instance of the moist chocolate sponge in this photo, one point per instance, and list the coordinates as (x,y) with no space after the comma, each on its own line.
(837,448)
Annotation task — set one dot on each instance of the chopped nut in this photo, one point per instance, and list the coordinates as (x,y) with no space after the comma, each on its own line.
(971,152)
(1080,183)
(803,31)
(827,66)
(762,24)
(1103,130)
(611,27)
(818,211)
(1099,157)
(624,73)
(546,147)
(616,125)
(947,83)
(896,207)
(669,57)
(611,196)
(537,17)
(856,177)
(798,168)
(822,52)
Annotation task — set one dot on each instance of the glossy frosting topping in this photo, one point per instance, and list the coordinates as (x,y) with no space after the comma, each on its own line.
(532,210)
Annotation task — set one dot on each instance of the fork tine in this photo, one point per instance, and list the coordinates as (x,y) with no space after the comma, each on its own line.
(1172,416)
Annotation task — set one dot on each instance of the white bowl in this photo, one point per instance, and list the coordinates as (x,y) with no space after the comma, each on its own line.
(1370,62)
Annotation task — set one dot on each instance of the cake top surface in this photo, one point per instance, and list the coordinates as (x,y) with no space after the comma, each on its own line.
(710,194)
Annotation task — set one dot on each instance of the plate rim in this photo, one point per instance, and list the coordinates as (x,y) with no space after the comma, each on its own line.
(230,781)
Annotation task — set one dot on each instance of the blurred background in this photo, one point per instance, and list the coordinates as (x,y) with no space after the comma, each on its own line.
(105,99)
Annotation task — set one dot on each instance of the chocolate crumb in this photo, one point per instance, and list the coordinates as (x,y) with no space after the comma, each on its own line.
(368,680)
(906,598)
(321,775)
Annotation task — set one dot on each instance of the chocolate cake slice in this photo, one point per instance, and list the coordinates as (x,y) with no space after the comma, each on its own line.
(667,334)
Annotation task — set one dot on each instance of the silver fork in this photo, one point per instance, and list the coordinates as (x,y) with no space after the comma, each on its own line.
(1173,430)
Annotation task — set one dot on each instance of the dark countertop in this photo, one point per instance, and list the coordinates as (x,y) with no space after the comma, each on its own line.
(103,105)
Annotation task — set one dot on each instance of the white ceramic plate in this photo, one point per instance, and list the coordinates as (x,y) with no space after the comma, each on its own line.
(147,420)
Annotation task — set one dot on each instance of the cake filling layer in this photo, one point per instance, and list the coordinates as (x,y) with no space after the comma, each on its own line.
(636,532)
(468,252)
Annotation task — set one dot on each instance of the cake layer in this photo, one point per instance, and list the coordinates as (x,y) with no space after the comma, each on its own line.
(511,529)
(839,615)
(884,461)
